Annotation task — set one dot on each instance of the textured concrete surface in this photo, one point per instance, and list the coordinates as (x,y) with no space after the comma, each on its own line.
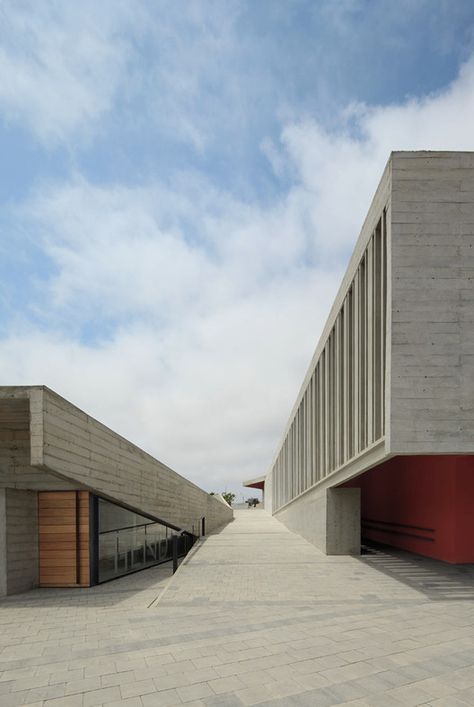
(329,519)
(3,542)
(257,615)
(21,546)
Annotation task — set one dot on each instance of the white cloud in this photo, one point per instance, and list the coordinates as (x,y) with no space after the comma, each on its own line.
(65,67)
(199,85)
(219,303)
(339,172)
(61,63)
(214,330)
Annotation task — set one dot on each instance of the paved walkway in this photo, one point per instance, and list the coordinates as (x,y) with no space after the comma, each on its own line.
(256,616)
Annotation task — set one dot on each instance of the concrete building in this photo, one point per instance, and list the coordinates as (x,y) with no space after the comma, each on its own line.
(81,505)
(380,441)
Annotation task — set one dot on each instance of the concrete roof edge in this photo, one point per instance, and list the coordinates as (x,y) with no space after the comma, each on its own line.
(7,391)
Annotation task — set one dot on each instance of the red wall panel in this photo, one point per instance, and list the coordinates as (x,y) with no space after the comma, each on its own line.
(424,504)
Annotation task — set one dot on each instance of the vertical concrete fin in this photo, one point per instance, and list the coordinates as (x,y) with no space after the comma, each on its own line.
(36,396)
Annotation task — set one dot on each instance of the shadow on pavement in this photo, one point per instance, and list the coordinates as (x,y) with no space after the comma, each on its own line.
(138,588)
(435,579)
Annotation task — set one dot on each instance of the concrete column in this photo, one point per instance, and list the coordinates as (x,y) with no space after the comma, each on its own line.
(343,521)
(3,543)
(329,519)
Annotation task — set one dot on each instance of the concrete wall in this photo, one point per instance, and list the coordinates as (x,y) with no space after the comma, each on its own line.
(3,542)
(15,467)
(22,540)
(71,444)
(18,509)
(18,541)
(432,311)
(330,519)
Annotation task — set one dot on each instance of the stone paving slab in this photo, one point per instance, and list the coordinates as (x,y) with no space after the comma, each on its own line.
(256,615)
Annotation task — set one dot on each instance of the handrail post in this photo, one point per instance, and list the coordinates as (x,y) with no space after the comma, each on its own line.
(203,526)
(174,544)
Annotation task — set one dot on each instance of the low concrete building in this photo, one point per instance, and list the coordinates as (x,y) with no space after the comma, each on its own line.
(380,441)
(79,504)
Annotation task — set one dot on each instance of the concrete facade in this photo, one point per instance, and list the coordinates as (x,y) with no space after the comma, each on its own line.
(48,444)
(22,550)
(329,519)
(3,542)
(18,541)
(393,371)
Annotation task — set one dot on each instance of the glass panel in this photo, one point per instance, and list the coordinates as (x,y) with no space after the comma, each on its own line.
(113,517)
(129,541)
(107,556)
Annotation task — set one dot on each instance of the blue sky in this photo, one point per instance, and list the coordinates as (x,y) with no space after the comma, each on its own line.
(171,236)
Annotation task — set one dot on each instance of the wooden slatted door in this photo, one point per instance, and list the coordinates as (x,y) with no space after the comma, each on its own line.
(63,538)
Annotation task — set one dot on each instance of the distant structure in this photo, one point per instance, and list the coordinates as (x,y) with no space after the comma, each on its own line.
(258,483)
(79,504)
(379,443)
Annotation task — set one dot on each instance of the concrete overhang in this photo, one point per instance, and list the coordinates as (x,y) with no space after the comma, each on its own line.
(258,483)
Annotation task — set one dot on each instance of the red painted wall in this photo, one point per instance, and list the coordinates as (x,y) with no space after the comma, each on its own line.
(424,504)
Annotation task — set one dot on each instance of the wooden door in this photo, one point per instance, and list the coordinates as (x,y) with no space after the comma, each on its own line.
(63,520)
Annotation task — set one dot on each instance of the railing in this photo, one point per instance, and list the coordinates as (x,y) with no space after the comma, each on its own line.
(132,548)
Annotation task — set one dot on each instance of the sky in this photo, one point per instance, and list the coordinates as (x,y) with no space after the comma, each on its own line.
(181,187)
